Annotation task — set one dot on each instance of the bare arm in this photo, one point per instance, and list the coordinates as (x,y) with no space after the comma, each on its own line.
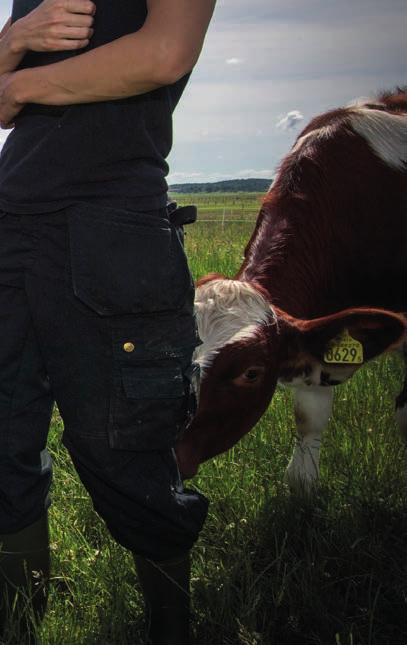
(5,28)
(55,25)
(9,59)
(163,50)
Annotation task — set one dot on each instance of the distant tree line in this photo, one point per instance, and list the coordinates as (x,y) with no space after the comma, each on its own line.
(227,186)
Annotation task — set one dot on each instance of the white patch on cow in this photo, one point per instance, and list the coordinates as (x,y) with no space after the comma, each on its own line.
(227,311)
(363,101)
(320,375)
(386,134)
(314,136)
(313,407)
(313,378)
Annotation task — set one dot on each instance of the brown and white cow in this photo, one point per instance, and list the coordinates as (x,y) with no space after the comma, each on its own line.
(328,256)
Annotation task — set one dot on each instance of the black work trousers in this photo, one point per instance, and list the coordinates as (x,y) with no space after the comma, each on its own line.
(96,313)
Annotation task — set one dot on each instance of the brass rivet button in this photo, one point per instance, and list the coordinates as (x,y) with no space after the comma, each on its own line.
(128,347)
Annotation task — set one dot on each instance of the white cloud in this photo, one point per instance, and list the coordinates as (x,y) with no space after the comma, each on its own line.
(200,177)
(262,58)
(234,61)
(251,172)
(290,120)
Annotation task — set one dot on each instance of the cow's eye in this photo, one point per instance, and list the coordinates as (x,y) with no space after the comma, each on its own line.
(251,376)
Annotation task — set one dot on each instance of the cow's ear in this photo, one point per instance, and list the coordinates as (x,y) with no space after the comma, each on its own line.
(351,336)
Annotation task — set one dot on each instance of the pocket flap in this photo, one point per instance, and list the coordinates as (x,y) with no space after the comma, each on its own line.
(153,382)
(123,263)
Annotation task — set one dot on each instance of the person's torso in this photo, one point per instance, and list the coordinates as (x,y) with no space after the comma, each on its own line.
(112,152)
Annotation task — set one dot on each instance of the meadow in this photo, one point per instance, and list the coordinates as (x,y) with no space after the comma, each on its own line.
(269,568)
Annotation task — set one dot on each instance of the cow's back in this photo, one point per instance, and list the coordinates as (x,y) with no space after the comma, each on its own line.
(332,232)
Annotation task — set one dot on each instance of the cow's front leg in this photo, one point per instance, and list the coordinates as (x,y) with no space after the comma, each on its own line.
(312,405)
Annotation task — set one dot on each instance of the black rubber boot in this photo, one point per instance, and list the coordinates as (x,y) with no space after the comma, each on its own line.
(24,575)
(166,593)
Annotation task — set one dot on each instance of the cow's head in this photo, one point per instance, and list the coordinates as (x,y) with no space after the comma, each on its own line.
(248,345)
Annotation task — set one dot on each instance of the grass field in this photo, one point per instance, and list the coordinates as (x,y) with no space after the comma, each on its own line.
(269,568)
(222,206)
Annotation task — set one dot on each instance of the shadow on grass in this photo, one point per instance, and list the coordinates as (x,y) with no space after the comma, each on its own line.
(310,573)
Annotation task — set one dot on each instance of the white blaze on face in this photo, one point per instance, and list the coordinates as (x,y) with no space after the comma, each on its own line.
(227,311)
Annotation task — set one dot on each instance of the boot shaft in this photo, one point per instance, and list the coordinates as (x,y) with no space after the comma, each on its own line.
(24,575)
(166,593)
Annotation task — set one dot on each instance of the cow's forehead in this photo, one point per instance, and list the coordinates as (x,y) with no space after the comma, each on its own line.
(228,311)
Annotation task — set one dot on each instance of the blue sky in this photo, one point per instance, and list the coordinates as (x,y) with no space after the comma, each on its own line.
(264,59)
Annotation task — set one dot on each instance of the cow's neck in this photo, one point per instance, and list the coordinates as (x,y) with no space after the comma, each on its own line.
(285,257)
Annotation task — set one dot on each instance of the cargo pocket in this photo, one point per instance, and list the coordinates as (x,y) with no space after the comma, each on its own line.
(130,270)
(126,263)
(153,398)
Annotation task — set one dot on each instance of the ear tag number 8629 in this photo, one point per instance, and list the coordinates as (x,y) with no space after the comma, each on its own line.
(344,350)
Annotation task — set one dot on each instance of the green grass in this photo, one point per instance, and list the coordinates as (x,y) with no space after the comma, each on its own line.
(212,246)
(269,568)
(223,206)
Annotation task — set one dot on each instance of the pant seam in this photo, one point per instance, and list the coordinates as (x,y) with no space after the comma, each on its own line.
(12,398)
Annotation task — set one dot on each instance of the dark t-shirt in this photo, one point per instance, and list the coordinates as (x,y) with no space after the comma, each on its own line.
(111,152)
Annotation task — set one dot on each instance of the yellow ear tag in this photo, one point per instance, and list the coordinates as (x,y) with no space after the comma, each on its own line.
(344,350)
